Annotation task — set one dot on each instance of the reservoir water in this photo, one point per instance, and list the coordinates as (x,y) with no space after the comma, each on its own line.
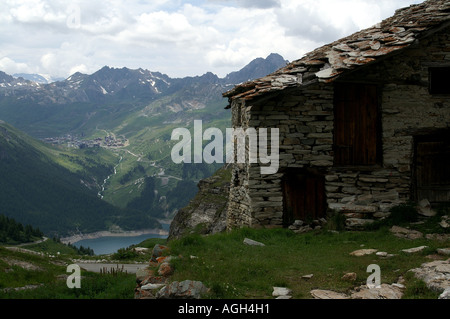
(110,244)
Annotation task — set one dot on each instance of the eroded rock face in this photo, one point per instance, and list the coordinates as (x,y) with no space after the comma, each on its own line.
(206,213)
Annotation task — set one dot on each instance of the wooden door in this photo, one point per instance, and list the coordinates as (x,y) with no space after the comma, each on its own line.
(304,196)
(433,168)
(356,127)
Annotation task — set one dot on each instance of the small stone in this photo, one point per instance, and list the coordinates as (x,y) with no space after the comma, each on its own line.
(398,285)
(308,276)
(303,229)
(357,222)
(445,294)
(140,250)
(165,269)
(327,294)
(381,253)
(251,242)
(434,274)
(444,222)
(443,251)
(298,222)
(152,286)
(284,297)
(281,291)
(158,251)
(385,291)
(351,276)
(187,289)
(142,274)
(414,250)
(424,208)
(439,237)
(405,233)
(362,252)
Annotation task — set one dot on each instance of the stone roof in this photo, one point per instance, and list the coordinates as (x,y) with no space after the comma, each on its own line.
(326,63)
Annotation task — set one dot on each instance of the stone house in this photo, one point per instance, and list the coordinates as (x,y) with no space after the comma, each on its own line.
(364,124)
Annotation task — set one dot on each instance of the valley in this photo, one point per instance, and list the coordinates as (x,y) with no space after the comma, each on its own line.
(112,129)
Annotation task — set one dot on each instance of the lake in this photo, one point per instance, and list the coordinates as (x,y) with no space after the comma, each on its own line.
(110,244)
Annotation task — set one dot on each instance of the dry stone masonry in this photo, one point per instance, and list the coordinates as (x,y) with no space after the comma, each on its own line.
(394,59)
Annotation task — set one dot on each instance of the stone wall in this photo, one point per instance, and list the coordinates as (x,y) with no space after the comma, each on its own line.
(305,121)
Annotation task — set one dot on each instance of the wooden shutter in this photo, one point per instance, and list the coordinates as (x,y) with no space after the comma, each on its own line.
(356,124)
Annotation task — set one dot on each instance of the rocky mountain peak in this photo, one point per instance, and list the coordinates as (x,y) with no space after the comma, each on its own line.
(259,67)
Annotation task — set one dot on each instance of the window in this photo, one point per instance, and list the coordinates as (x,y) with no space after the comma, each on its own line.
(356,128)
(439,80)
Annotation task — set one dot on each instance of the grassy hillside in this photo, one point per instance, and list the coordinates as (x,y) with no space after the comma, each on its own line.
(148,153)
(56,190)
(235,270)
(31,276)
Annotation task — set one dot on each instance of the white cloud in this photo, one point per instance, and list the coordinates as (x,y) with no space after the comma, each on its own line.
(14,67)
(174,37)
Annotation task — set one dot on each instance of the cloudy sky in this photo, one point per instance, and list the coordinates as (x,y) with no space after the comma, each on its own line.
(179,38)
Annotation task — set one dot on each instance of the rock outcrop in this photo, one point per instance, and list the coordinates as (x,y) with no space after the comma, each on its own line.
(153,281)
(206,212)
(435,274)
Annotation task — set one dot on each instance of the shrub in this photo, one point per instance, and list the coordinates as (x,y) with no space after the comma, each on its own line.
(403,213)
(336,222)
(125,253)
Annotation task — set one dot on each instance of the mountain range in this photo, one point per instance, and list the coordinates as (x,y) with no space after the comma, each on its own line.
(108,145)
(38,78)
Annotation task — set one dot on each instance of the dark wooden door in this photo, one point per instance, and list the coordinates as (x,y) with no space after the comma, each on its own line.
(304,196)
(356,134)
(433,168)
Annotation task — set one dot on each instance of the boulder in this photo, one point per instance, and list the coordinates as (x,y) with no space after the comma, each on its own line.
(186,289)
